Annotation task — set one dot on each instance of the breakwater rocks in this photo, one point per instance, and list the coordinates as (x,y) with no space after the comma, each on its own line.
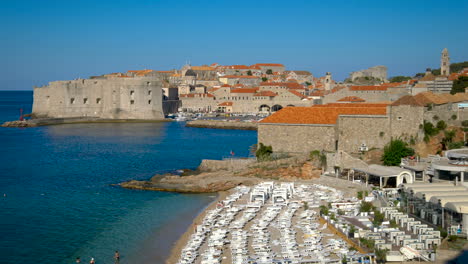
(73,120)
(222,175)
(19,124)
(222,124)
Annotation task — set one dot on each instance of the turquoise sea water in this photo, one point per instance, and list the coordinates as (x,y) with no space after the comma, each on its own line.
(60,203)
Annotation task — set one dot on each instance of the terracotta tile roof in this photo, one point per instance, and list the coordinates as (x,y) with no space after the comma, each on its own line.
(380,104)
(407,100)
(140,72)
(319,115)
(225,85)
(202,68)
(297,94)
(455,76)
(269,64)
(351,99)
(245,90)
(368,88)
(237,67)
(225,104)
(255,67)
(239,77)
(176,75)
(265,93)
(317,93)
(427,98)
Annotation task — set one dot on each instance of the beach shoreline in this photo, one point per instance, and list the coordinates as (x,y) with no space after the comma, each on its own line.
(182,240)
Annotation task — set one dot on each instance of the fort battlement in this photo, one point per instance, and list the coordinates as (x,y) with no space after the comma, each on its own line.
(103,97)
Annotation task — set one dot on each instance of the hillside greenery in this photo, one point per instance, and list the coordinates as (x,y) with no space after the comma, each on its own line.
(399,79)
(394,151)
(459,85)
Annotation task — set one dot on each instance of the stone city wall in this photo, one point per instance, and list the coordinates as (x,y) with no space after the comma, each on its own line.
(355,130)
(446,112)
(297,138)
(113,98)
(405,121)
(369,96)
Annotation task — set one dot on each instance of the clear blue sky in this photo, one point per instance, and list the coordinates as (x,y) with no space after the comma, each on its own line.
(45,40)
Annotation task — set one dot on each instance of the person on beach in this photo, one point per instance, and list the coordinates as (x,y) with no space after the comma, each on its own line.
(116,257)
(78,260)
(92,261)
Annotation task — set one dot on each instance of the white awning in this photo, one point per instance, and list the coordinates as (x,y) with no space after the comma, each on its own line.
(459,207)
(448,198)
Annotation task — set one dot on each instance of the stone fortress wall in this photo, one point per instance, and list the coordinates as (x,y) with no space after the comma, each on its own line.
(107,98)
(377,72)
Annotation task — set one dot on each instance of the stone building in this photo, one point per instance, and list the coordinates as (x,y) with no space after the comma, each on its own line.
(348,126)
(299,76)
(274,67)
(445,63)
(123,97)
(370,93)
(335,127)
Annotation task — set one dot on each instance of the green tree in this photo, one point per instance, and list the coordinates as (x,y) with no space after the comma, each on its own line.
(308,83)
(381,255)
(269,71)
(359,195)
(459,85)
(378,218)
(394,151)
(263,152)
(429,129)
(323,210)
(366,207)
(399,78)
(441,125)
(249,73)
(264,79)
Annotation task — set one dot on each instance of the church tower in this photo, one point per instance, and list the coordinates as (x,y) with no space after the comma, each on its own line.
(445,63)
(328,81)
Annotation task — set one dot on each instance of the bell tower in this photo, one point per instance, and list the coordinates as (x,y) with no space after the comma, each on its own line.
(328,81)
(445,63)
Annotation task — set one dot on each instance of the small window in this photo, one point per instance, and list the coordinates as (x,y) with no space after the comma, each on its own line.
(399,118)
(72,100)
(85,100)
(149,92)
(149,101)
(132,93)
(148,83)
(98,100)
(132,102)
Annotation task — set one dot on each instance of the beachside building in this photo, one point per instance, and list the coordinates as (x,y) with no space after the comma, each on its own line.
(339,126)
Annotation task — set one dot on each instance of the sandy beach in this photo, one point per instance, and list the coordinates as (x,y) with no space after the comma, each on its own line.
(182,241)
(347,187)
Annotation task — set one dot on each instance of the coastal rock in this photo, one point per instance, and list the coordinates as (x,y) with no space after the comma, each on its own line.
(199,183)
(18,124)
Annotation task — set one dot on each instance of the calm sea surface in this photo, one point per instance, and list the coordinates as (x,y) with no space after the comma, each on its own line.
(57,201)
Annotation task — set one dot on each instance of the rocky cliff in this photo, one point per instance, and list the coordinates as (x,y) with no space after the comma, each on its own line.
(212,176)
